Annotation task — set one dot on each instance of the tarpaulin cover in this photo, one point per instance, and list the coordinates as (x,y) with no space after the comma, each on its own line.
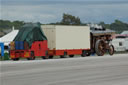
(30,32)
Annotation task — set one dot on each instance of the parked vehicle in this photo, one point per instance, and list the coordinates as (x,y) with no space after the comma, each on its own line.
(67,40)
(48,41)
(29,42)
(120,43)
(126,44)
(101,41)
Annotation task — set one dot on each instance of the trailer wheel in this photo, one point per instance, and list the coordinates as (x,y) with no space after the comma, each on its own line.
(83,53)
(99,47)
(88,54)
(45,57)
(51,57)
(111,50)
(63,56)
(15,59)
(71,56)
(32,57)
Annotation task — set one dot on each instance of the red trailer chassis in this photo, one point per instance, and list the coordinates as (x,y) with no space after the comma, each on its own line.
(70,52)
(38,48)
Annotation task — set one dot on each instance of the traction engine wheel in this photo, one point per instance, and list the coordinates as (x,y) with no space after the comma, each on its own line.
(100,47)
(111,50)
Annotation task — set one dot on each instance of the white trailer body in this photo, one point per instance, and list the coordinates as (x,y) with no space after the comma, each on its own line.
(67,37)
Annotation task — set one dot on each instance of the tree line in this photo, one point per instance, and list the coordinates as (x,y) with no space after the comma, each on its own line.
(117,25)
(7,24)
(67,19)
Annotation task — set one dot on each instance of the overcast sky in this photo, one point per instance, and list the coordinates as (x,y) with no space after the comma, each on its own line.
(48,11)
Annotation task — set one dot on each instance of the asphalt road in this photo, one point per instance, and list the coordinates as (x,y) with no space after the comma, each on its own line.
(104,70)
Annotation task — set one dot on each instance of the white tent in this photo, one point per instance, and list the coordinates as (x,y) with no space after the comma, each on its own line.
(124,33)
(6,39)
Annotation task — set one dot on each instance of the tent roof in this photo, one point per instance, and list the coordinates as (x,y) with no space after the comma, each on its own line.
(9,37)
(125,32)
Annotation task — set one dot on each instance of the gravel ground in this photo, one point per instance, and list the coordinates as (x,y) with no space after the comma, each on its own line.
(94,70)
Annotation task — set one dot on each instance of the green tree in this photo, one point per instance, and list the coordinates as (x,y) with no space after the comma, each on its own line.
(119,26)
(18,24)
(104,25)
(6,24)
(70,20)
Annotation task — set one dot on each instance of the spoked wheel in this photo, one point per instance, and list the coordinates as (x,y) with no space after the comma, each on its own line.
(71,56)
(100,47)
(15,59)
(111,50)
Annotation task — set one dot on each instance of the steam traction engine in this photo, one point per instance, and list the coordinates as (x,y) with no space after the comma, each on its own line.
(101,41)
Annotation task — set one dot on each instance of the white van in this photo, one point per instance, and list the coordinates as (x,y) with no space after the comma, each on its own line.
(126,44)
(120,43)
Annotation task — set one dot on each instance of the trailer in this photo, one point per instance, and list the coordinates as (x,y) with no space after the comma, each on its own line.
(67,40)
(29,43)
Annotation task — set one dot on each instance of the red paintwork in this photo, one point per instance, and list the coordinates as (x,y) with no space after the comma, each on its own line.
(19,54)
(69,52)
(38,47)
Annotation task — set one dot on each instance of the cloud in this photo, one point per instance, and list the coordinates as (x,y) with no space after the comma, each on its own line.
(25,13)
(47,12)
